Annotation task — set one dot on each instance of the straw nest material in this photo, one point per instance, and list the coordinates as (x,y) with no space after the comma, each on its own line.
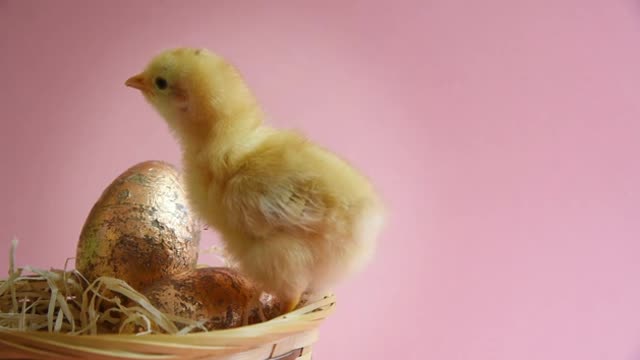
(58,314)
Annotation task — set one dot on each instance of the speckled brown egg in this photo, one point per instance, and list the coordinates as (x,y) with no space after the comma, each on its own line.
(140,229)
(217,295)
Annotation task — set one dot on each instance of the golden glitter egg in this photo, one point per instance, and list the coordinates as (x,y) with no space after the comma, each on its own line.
(140,229)
(218,296)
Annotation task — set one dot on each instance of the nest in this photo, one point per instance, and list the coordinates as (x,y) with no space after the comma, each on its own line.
(58,314)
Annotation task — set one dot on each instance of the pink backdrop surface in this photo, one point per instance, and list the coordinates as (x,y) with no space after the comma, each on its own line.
(503,134)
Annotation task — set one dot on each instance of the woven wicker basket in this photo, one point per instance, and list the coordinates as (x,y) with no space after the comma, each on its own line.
(287,337)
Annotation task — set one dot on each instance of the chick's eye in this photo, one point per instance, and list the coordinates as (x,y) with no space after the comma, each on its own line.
(161,83)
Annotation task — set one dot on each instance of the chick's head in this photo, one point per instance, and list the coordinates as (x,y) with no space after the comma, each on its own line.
(188,85)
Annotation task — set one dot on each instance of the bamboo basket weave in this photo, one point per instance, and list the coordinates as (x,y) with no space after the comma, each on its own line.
(287,337)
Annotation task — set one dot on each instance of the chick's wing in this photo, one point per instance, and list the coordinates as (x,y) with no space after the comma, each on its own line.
(267,204)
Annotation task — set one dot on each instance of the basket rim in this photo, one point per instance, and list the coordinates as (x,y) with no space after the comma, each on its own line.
(302,322)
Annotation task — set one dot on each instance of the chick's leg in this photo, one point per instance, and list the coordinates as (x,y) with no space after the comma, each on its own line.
(290,304)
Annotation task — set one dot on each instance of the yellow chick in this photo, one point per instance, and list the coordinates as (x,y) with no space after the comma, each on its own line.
(293,216)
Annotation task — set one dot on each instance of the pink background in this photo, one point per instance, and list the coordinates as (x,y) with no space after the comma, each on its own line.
(504,135)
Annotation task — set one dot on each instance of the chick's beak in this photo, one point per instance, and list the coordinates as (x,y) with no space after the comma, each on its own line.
(136,82)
